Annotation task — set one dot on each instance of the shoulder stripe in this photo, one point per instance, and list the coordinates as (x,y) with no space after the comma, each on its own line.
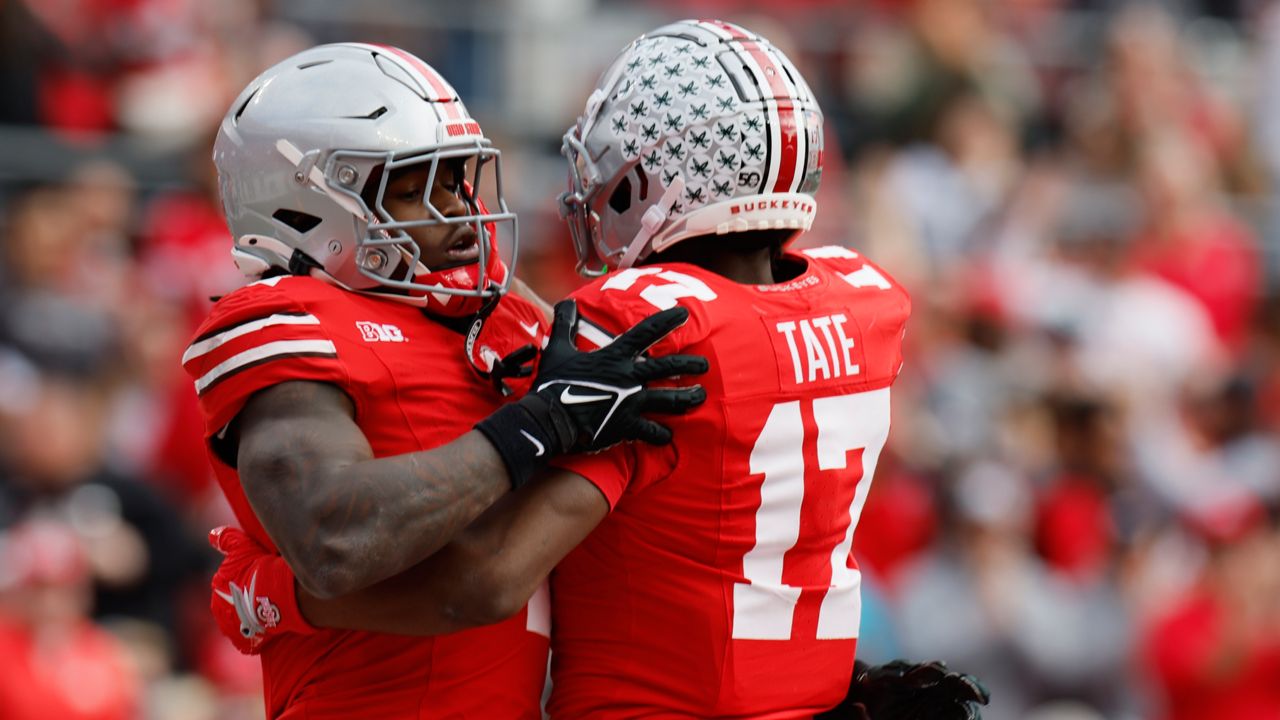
(264,353)
(593,333)
(213,340)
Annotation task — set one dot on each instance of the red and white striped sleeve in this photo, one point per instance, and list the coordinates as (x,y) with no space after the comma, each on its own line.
(255,338)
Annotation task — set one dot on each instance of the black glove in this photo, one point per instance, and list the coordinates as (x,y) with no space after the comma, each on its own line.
(904,691)
(588,401)
(516,364)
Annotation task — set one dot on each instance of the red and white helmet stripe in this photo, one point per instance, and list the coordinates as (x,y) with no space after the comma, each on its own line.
(434,86)
(786,167)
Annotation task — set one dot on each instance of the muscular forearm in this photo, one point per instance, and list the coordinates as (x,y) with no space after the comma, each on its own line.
(342,518)
(486,574)
(378,517)
(446,593)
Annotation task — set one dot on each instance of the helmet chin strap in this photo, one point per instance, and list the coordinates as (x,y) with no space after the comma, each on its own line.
(652,220)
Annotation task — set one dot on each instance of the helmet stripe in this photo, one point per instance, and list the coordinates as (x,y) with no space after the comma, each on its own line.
(714,27)
(786,167)
(726,30)
(785,136)
(437,87)
(789,169)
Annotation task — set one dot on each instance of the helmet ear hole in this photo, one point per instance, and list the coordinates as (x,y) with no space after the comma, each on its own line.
(620,200)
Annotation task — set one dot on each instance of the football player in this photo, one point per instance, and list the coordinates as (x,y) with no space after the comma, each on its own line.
(341,387)
(716,577)
(722,583)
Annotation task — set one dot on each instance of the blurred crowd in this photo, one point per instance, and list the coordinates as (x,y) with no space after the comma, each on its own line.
(1080,500)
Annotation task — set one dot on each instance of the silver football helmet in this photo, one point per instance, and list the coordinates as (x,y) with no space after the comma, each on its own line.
(698,128)
(298,149)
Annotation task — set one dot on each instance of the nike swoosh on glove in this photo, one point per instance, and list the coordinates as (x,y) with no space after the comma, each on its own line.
(254,599)
(900,690)
(588,401)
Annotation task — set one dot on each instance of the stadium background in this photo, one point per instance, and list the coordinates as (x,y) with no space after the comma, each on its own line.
(1078,502)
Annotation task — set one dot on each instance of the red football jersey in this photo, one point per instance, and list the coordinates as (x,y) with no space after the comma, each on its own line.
(413,389)
(722,584)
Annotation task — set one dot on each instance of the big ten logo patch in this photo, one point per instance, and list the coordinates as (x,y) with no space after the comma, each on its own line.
(379,332)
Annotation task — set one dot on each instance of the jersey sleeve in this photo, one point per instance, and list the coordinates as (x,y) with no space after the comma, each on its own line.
(257,337)
(621,468)
(610,471)
(614,304)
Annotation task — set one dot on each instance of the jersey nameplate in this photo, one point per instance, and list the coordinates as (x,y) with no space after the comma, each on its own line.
(817,348)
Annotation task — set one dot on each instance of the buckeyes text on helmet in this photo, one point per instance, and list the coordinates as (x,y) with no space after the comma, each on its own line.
(303,157)
(698,128)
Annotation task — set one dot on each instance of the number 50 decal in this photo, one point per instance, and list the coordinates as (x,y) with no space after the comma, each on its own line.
(764,606)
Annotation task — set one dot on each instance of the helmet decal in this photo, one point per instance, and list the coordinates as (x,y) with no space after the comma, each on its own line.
(703,102)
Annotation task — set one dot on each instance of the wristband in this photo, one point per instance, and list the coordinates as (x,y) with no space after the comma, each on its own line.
(526,434)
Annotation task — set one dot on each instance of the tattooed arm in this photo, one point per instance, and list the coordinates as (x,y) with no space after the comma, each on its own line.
(343,519)
(484,575)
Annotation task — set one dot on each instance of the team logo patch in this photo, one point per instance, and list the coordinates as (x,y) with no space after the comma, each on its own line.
(380,332)
(256,612)
(268,613)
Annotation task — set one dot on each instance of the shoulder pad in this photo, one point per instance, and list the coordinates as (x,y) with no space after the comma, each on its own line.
(611,305)
(257,336)
(855,268)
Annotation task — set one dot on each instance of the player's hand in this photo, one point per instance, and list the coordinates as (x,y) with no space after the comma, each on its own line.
(905,691)
(588,401)
(602,392)
(516,364)
(253,598)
